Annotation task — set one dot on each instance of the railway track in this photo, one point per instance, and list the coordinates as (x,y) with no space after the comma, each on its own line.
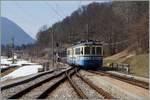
(8,86)
(76,88)
(123,78)
(103,94)
(36,87)
(42,85)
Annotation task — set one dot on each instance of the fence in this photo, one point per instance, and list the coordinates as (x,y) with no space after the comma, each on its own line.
(45,67)
(125,68)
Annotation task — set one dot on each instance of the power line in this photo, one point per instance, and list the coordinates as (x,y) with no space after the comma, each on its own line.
(59,9)
(53,31)
(79,4)
(54,10)
(21,8)
(21,17)
(25,13)
(21,20)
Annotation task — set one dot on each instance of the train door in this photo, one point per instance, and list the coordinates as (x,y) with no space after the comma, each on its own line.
(72,54)
(68,56)
(77,55)
(93,52)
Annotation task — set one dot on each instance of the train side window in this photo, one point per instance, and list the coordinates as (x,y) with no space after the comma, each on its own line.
(82,51)
(77,51)
(93,50)
(98,50)
(87,50)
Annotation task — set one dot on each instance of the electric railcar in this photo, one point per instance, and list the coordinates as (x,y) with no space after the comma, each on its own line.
(87,54)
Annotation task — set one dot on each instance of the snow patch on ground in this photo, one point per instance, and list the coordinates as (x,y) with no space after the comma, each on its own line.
(26,68)
(8,61)
(5,61)
(22,71)
(3,66)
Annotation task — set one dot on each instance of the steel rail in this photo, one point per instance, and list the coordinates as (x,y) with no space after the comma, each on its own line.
(122,78)
(4,87)
(76,88)
(28,89)
(44,94)
(102,92)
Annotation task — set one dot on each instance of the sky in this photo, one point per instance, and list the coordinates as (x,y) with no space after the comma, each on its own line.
(32,15)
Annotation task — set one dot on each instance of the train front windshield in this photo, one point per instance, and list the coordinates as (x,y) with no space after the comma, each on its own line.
(93,50)
(87,50)
(98,50)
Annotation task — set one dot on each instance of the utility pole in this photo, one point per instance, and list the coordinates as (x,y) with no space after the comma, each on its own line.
(52,48)
(13,51)
(87,27)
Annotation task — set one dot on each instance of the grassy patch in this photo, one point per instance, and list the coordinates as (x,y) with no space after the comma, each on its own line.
(139,64)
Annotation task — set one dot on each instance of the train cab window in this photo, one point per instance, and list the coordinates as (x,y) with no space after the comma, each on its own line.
(98,50)
(68,52)
(77,51)
(72,51)
(87,50)
(93,50)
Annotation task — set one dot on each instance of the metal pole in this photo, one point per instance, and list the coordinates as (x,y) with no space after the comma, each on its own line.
(87,32)
(52,48)
(13,50)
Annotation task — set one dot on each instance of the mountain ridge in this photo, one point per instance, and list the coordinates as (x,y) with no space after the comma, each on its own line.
(10,29)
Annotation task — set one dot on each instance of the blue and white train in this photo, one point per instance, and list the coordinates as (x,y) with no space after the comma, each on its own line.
(87,54)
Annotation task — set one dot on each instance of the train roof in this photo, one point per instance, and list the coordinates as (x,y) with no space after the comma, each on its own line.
(89,42)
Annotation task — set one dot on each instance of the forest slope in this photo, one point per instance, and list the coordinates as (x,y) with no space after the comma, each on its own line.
(117,24)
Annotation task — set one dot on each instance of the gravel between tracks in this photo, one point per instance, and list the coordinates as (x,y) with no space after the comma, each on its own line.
(11,91)
(63,91)
(89,92)
(118,89)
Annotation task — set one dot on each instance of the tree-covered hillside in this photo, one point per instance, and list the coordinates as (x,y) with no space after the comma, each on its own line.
(119,25)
